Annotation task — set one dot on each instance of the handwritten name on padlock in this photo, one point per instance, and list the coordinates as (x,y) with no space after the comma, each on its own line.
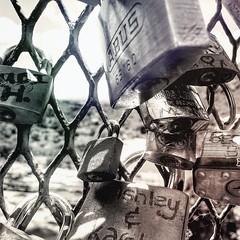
(132,210)
(23,92)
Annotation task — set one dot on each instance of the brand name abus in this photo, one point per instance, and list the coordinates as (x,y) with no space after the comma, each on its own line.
(127,30)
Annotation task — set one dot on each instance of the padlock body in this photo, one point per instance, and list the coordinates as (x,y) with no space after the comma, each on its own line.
(178,106)
(125,210)
(217,171)
(24,95)
(100,160)
(233,7)
(176,150)
(213,67)
(146,47)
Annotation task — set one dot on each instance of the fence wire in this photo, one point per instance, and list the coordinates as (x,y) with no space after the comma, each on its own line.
(61,210)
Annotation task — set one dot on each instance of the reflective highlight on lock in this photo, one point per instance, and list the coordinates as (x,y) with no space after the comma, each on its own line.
(146,47)
(217,171)
(124,210)
(24,95)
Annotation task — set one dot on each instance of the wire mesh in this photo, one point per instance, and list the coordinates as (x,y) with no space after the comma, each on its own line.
(61,210)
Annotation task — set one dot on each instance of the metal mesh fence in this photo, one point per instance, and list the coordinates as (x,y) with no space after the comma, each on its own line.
(217,219)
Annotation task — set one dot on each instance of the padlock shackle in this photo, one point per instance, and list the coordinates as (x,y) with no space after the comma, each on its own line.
(44,65)
(114,128)
(223,125)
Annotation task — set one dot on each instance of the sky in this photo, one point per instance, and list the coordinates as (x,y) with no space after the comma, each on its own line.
(51,35)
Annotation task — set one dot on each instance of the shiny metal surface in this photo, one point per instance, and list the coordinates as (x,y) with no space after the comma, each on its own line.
(148,45)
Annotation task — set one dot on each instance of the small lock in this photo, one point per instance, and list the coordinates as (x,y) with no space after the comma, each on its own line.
(171,150)
(217,171)
(233,8)
(101,159)
(130,210)
(174,109)
(213,67)
(146,47)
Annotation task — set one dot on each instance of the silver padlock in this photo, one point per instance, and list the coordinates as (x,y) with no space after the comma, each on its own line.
(101,158)
(233,7)
(146,46)
(217,171)
(131,210)
(213,67)
(175,109)
(171,150)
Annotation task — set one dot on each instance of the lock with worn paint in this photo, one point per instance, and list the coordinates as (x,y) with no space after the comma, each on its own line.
(147,45)
(174,109)
(101,159)
(217,171)
(171,150)
(213,67)
(131,210)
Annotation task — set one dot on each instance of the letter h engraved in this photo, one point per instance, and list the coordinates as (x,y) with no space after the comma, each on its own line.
(6,93)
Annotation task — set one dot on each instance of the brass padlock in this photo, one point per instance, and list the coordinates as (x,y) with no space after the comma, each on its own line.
(24,94)
(174,109)
(171,150)
(130,210)
(146,47)
(213,67)
(217,171)
(233,8)
(101,159)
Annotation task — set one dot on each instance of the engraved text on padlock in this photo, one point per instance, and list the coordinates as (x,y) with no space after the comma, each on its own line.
(175,109)
(147,45)
(213,67)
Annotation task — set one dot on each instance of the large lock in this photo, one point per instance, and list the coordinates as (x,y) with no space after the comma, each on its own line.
(101,159)
(213,67)
(127,210)
(174,109)
(217,171)
(233,7)
(147,45)
(171,150)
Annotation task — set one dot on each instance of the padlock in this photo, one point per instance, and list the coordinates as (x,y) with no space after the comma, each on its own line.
(217,171)
(213,67)
(147,45)
(174,109)
(24,94)
(131,210)
(171,150)
(101,158)
(62,209)
(233,8)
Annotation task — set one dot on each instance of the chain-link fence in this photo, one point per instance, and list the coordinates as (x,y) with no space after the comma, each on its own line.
(207,220)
